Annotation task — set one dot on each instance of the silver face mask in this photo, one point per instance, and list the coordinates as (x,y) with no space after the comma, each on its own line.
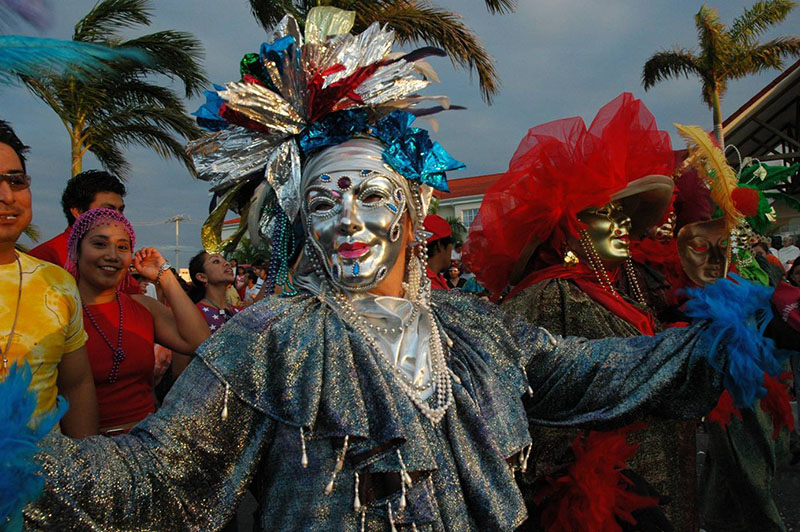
(355,223)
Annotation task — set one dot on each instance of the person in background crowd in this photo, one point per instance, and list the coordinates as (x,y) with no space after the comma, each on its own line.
(455,255)
(211,276)
(41,323)
(122,328)
(793,275)
(789,252)
(234,266)
(240,281)
(454,279)
(440,247)
(775,244)
(252,289)
(91,189)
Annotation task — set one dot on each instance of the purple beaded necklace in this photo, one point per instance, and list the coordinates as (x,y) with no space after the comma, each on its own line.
(118,353)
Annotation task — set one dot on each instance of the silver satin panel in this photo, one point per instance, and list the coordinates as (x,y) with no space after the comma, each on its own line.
(408,349)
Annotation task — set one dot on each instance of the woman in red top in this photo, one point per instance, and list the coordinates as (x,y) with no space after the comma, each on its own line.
(122,328)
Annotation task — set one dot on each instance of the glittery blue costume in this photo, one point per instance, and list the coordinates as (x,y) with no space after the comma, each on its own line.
(284,364)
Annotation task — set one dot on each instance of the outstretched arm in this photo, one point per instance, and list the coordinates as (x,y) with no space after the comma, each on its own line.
(183,466)
(614,381)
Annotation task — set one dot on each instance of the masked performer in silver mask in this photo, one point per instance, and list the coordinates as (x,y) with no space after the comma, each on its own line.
(364,401)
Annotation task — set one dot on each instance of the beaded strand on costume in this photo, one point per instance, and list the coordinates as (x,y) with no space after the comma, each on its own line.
(599,269)
(278,273)
(118,352)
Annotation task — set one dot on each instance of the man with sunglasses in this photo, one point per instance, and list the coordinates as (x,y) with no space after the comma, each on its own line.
(41,322)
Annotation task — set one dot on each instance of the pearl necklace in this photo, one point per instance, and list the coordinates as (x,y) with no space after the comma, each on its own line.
(440,373)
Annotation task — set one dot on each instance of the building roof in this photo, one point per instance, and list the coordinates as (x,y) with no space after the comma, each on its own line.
(467,186)
(765,126)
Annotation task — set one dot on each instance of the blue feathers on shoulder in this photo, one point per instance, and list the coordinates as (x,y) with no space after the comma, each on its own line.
(737,311)
(20,477)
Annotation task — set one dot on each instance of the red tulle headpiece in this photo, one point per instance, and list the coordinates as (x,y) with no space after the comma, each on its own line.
(559,169)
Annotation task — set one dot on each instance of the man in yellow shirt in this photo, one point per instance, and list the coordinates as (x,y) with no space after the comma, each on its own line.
(41,321)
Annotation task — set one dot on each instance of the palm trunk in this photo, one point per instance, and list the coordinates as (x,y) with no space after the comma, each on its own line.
(716,108)
(76,154)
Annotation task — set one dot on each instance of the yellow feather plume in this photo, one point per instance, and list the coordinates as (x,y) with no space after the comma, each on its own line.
(714,169)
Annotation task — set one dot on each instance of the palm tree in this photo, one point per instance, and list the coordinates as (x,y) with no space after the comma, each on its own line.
(726,53)
(413,21)
(104,112)
(458,228)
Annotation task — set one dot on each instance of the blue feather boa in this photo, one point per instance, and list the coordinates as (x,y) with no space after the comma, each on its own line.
(737,311)
(20,477)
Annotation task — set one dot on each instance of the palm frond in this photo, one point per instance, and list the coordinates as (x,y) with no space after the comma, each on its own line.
(669,64)
(269,12)
(37,57)
(176,55)
(111,158)
(712,37)
(33,232)
(420,21)
(174,120)
(501,6)
(157,140)
(764,56)
(758,19)
(134,92)
(109,16)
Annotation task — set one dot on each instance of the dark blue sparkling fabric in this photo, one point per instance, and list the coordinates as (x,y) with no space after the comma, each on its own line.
(291,363)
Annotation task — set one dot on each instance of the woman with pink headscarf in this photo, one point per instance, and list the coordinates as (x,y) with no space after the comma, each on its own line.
(122,328)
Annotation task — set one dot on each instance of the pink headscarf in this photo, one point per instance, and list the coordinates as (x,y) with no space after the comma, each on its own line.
(85,223)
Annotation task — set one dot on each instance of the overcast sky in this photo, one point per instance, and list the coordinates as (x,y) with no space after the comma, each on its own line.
(556,59)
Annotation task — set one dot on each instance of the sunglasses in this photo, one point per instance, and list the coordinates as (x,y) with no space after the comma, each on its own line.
(16,181)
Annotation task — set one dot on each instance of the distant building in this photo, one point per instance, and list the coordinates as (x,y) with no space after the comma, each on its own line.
(465,196)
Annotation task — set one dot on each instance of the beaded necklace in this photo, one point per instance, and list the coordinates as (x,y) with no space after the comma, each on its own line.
(596,264)
(118,352)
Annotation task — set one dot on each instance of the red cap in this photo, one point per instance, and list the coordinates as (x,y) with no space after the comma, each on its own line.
(437,225)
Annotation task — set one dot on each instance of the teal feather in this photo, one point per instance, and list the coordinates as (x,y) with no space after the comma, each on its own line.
(20,477)
(35,57)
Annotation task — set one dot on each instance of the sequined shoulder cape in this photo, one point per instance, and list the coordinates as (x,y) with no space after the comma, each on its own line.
(286,364)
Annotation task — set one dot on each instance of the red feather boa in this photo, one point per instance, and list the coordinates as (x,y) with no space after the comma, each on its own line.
(776,403)
(593,493)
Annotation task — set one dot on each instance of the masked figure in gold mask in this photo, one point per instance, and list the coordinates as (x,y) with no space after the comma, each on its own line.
(574,275)
(735,491)
(704,248)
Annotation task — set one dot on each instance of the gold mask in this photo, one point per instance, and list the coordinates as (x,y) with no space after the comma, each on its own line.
(703,248)
(609,229)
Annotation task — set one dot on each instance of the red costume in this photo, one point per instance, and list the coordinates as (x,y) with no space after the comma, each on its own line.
(130,397)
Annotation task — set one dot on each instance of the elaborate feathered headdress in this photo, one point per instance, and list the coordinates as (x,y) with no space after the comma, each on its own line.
(302,92)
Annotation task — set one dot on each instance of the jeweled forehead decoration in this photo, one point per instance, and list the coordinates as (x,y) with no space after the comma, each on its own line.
(303,92)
